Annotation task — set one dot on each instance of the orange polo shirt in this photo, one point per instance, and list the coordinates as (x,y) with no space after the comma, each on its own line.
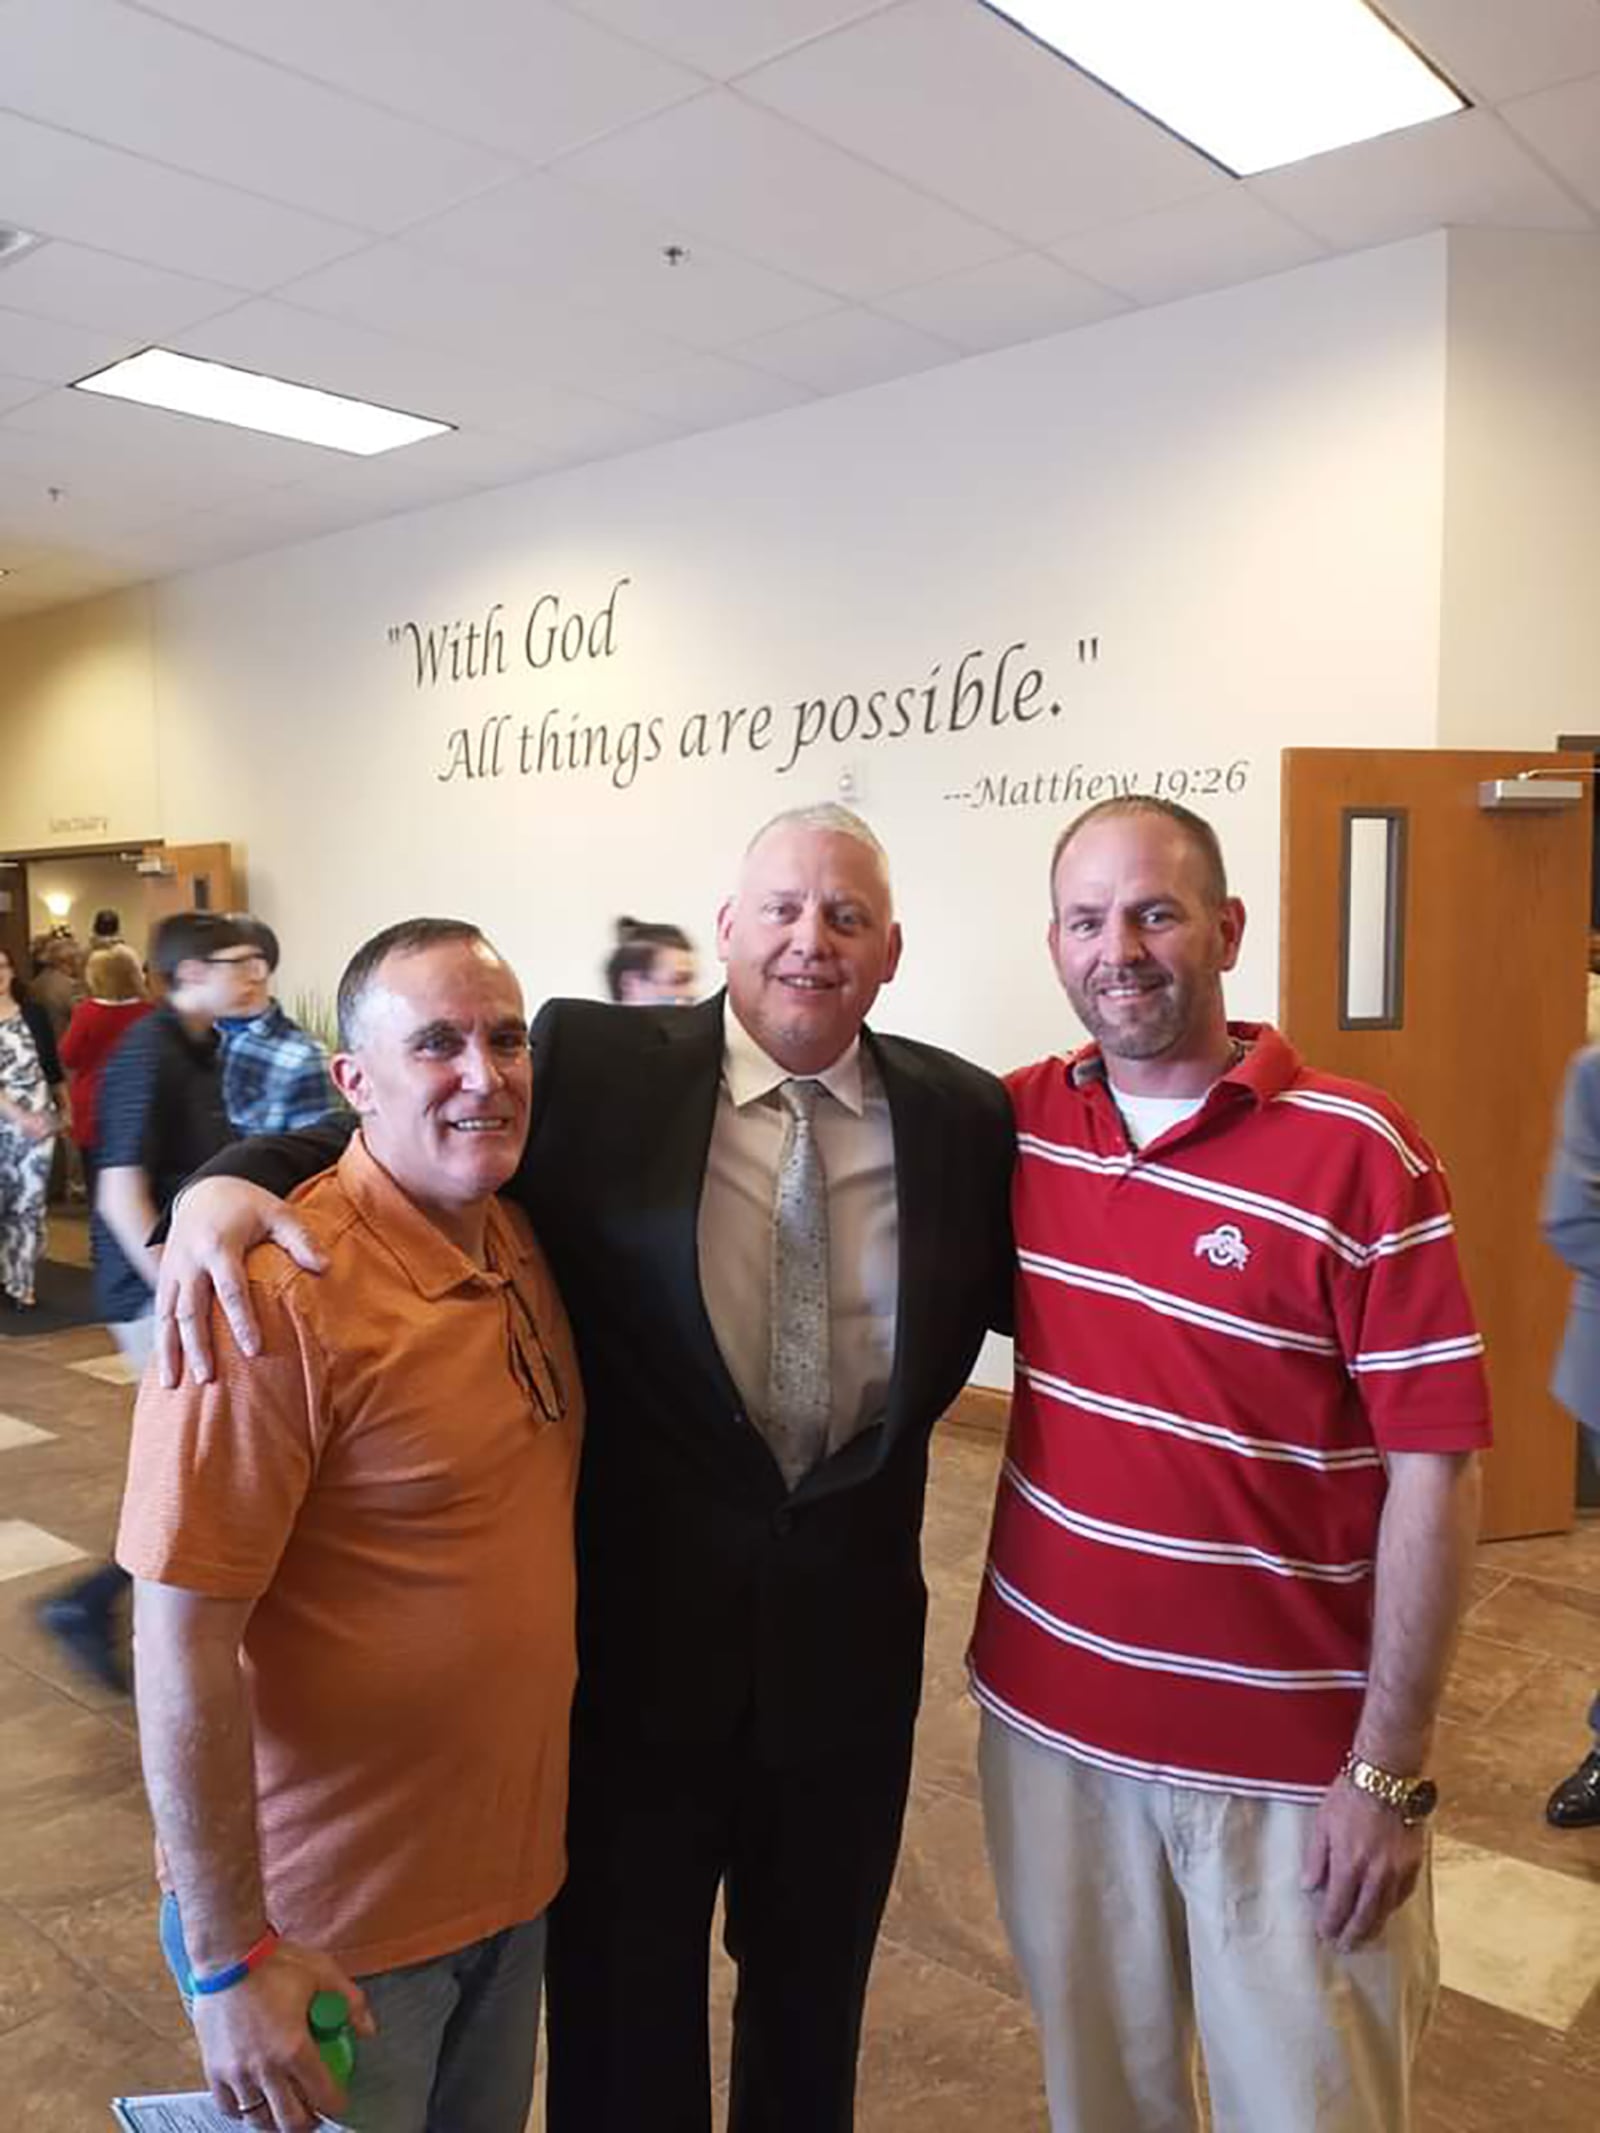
(391,1483)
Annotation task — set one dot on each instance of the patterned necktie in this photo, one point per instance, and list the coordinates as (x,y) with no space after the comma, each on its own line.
(799,1381)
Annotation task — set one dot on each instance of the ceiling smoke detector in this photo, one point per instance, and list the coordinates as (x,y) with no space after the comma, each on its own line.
(14,242)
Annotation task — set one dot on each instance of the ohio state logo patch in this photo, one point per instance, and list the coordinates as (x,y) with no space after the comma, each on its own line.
(1223,1246)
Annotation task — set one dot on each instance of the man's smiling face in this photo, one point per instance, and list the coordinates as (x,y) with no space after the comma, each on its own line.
(1141,941)
(808,938)
(440,1072)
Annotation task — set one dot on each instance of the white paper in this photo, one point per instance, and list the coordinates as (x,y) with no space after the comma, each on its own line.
(172,2114)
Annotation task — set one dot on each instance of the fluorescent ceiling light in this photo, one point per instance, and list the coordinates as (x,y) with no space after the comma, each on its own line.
(219,393)
(1251,83)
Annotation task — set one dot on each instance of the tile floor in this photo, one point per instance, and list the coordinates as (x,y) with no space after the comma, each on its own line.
(85,2011)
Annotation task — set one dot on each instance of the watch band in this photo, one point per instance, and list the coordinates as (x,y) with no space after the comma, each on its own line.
(1413,1799)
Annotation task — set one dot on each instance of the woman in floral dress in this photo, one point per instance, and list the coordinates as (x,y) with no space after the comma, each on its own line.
(30,1082)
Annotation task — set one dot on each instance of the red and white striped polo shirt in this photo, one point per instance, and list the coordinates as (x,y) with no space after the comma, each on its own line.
(1218,1338)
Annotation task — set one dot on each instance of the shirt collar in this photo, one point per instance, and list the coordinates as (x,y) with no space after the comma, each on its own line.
(750,1074)
(265,1024)
(433,1265)
(1269,1065)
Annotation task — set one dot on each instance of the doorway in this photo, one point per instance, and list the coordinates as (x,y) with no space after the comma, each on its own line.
(62,891)
(1434,924)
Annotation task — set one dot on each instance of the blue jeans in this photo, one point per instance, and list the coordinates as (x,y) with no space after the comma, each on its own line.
(456,2035)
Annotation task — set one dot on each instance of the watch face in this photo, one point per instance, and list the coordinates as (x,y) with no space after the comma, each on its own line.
(1421,1800)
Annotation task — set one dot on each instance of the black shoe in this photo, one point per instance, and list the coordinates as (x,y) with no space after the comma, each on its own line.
(84,1624)
(1575,1803)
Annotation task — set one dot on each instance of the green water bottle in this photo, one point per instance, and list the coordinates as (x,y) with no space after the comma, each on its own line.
(328,2018)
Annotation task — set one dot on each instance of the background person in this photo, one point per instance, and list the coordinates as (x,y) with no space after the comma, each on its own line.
(116,1001)
(652,965)
(32,1097)
(160,1116)
(1572,1228)
(274,1076)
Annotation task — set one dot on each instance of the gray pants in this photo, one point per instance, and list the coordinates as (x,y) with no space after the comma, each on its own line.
(456,2036)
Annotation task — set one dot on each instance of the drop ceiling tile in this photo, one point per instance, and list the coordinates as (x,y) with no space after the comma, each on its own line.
(1498,48)
(745,177)
(396,289)
(97,289)
(961,103)
(1229,237)
(161,91)
(85,431)
(522,76)
(1009,300)
(847,349)
(63,186)
(709,390)
(313,349)
(1563,126)
(721,39)
(596,252)
(1463,169)
(16,392)
(46,349)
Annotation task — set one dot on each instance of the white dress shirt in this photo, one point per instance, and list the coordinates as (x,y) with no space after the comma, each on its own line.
(856,1141)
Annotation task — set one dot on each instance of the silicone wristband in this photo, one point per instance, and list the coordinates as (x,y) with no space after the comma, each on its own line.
(236,1973)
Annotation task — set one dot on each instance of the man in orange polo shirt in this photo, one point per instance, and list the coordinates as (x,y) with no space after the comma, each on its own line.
(354,1615)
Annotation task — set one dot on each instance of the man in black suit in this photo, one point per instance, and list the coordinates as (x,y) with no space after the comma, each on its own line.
(781,1238)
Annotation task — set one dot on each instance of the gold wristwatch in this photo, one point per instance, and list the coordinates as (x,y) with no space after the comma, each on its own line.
(1413,1799)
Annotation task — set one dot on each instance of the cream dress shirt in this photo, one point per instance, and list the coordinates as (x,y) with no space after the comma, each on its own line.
(856,1141)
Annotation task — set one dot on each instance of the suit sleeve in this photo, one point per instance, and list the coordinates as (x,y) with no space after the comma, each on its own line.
(1002,1309)
(1571,1219)
(277,1161)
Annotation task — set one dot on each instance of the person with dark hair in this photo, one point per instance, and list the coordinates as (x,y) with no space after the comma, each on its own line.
(652,965)
(1234,1533)
(117,1000)
(160,1116)
(355,1593)
(274,1076)
(106,931)
(30,1098)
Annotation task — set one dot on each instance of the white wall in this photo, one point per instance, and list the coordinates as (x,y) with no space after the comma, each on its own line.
(1238,497)
(1520,621)
(77,726)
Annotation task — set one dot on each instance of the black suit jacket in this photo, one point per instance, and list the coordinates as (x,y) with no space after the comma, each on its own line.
(711,1599)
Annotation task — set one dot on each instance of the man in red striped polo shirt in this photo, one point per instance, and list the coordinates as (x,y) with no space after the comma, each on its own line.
(1233,1535)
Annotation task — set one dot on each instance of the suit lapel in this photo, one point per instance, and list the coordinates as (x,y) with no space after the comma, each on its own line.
(917,1208)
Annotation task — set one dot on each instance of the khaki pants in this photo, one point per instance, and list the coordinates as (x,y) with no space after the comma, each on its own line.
(1148,1918)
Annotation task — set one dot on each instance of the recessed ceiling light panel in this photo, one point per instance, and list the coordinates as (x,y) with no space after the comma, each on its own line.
(217,392)
(1251,83)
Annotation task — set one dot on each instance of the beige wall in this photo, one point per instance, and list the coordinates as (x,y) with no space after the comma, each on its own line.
(77,726)
(1520,609)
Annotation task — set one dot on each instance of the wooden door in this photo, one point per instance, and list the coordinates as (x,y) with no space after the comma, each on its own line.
(188,877)
(1485,1007)
(14,914)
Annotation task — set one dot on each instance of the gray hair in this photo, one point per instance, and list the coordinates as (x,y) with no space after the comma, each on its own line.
(825,815)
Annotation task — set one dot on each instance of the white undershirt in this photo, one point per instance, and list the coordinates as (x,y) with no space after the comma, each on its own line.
(856,1142)
(1148,1117)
